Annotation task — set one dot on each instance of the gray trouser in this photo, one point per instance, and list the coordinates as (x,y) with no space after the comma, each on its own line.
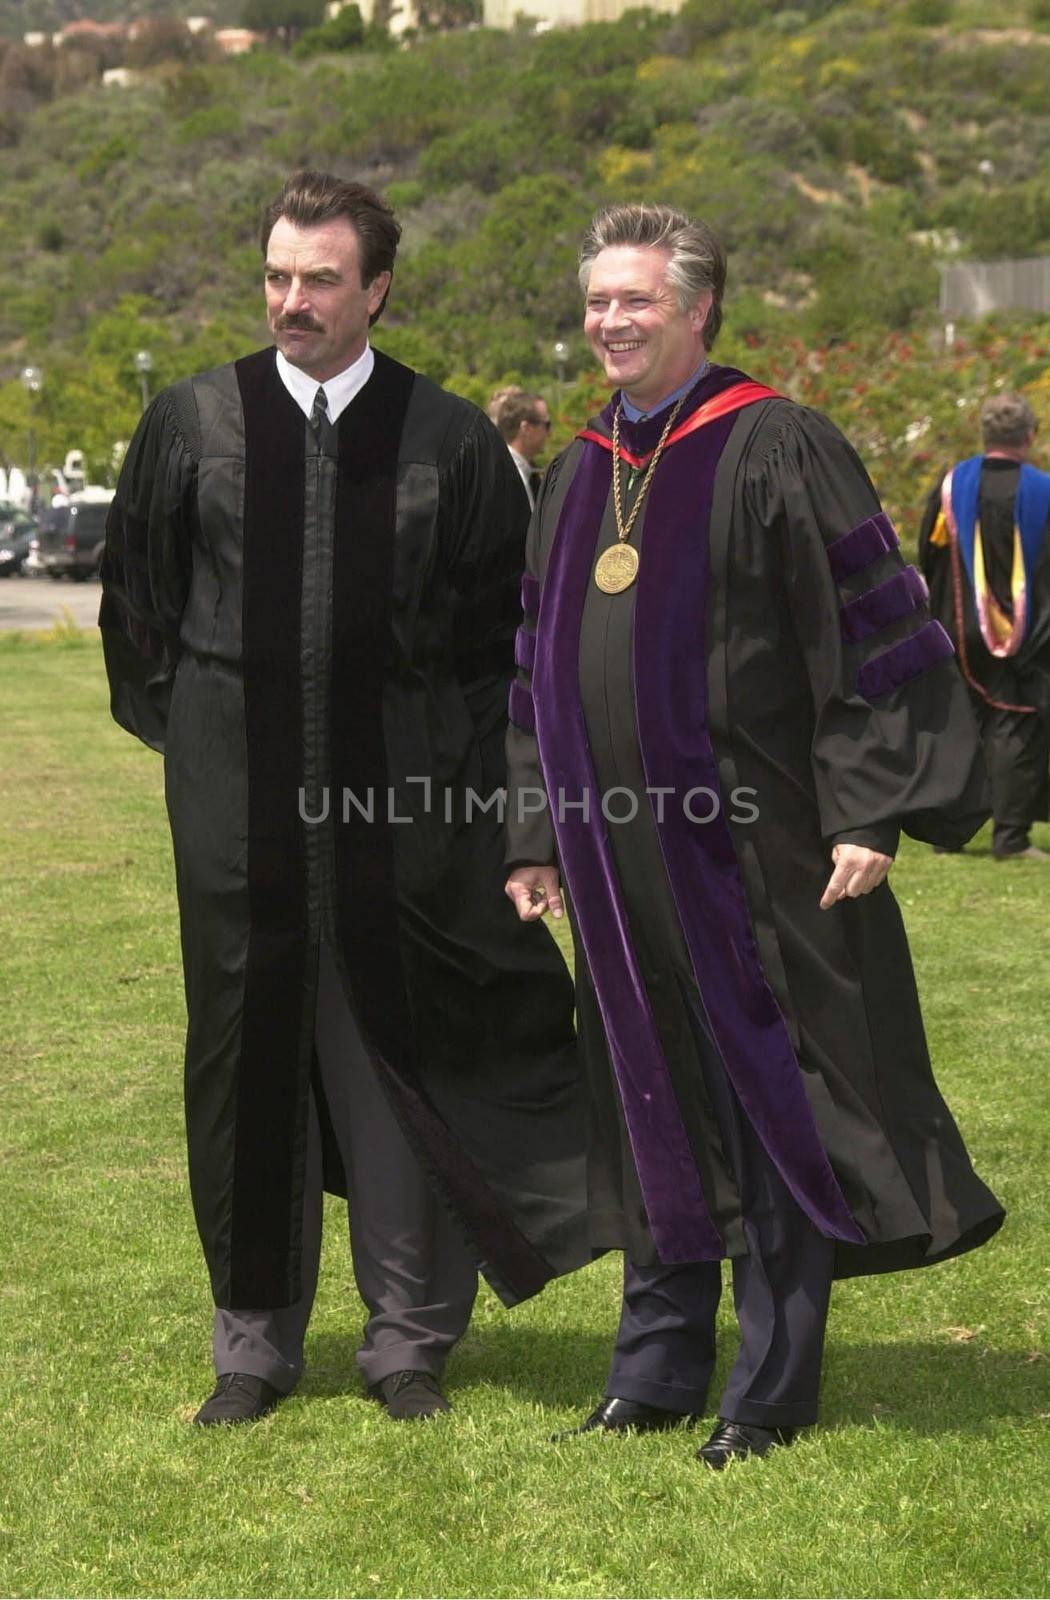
(413,1270)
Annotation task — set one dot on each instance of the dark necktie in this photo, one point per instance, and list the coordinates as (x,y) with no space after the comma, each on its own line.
(320,425)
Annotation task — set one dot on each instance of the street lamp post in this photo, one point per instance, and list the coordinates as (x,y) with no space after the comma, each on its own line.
(560,352)
(144,366)
(32,382)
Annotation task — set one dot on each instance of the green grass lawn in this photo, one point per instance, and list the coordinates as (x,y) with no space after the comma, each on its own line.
(930,1476)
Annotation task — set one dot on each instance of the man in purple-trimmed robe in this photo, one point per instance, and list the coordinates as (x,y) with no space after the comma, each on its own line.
(732,697)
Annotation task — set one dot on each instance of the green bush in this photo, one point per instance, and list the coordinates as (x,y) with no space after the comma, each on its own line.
(111,153)
(862,288)
(214,122)
(930,13)
(344,31)
(486,157)
(406,195)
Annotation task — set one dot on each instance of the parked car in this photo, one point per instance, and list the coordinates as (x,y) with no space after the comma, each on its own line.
(17,528)
(73,536)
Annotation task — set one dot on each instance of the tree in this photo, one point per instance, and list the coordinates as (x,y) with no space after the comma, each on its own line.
(437,16)
(160,39)
(283,19)
(344,31)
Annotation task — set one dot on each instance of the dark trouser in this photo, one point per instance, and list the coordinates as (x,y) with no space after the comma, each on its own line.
(665,1347)
(412,1268)
(1017,752)
(1010,838)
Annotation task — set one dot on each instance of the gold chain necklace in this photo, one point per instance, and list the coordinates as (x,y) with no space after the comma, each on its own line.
(617,567)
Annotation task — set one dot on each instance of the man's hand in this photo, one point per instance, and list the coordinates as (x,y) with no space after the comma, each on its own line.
(535,891)
(857,871)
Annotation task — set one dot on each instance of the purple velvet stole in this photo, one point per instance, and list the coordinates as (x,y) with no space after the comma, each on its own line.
(671,707)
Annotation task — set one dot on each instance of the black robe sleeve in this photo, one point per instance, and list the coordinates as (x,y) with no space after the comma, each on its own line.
(895,742)
(145,573)
(484,515)
(529,831)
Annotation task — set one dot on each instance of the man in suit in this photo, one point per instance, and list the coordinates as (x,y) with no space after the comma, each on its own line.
(524,425)
(311,585)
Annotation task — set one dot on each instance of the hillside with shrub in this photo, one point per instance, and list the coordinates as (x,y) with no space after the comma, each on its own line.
(842,151)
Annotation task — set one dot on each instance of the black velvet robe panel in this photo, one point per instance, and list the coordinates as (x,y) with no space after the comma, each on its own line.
(324,631)
(787,724)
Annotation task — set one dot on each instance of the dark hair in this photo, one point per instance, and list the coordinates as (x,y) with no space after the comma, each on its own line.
(310,198)
(697,260)
(515,408)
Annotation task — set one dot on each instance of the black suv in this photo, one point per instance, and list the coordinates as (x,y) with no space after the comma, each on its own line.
(72,537)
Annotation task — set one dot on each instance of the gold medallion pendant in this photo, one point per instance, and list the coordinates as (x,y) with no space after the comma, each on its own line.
(616,568)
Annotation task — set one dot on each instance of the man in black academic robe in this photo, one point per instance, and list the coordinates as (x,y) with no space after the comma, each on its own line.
(310,594)
(728,680)
(984,547)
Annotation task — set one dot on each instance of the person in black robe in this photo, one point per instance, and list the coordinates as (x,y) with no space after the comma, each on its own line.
(728,681)
(984,547)
(310,596)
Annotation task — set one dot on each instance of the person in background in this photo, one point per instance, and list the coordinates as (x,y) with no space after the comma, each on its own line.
(524,425)
(497,397)
(984,547)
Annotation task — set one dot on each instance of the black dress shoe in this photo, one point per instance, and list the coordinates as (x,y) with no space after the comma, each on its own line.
(409,1396)
(238,1397)
(737,1440)
(616,1416)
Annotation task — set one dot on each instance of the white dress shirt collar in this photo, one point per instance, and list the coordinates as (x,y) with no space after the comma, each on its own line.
(525,472)
(339,391)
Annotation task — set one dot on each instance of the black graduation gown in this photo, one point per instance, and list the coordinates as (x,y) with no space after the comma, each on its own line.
(296,665)
(1016,743)
(823,765)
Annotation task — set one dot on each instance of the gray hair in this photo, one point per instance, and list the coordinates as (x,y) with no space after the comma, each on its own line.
(1007,421)
(697,261)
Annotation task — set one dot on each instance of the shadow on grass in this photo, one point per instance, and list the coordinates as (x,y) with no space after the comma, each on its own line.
(927,1388)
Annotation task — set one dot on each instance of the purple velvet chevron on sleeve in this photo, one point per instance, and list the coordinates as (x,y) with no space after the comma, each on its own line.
(530,596)
(525,649)
(887,603)
(892,668)
(861,546)
(520,708)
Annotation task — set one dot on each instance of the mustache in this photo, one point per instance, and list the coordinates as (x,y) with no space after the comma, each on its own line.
(299,320)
